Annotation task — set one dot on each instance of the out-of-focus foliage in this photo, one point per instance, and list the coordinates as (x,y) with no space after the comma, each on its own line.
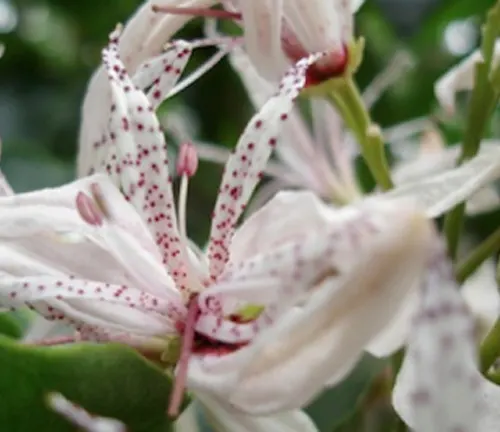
(52,47)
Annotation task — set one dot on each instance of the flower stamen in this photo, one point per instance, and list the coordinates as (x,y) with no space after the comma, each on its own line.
(186,350)
(187,164)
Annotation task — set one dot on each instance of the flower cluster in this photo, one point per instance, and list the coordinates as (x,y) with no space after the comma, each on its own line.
(283,301)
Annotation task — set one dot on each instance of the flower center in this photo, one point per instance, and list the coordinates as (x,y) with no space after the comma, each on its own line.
(331,65)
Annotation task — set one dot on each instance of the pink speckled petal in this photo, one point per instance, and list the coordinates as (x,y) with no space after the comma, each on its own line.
(161,73)
(142,164)
(143,37)
(118,307)
(244,168)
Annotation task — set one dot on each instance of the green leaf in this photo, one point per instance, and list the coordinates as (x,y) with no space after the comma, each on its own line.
(108,380)
(9,326)
(338,404)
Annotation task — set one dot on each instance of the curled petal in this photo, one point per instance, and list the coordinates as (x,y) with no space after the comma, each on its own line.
(439,387)
(245,166)
(459,78)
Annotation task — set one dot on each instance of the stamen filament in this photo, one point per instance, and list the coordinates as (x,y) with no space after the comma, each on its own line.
(186,349)
(182,207)
(201,12)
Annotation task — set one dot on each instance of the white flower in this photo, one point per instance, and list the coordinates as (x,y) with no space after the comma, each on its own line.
(460,78)
(439,387)
(431,158)
(280,31)
(328,282)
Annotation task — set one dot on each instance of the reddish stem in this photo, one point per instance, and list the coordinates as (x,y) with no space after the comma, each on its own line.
(182,368)
(201,12)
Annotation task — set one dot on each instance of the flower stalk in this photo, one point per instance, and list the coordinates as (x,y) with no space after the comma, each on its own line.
(490,348)
(482,103)
(471,263)
(345,96)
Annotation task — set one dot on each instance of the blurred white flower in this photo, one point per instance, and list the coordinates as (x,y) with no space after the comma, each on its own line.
(460,78)
(439,387)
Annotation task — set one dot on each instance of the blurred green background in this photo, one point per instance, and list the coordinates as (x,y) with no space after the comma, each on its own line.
(52,47)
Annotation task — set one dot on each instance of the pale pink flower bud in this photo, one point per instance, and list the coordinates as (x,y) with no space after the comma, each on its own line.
(187,162)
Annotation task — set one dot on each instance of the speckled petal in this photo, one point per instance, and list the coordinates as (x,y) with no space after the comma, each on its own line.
(142,164)
(244,167)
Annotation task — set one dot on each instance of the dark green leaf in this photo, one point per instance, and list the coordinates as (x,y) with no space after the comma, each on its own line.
(9,326)
(338,404)
(110,380)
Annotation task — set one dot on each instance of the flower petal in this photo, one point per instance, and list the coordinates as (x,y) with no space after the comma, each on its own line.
(459,78)
(374,256)
(440,193)
(439,160)
(297,148)
(99,304)
(188,420)
(244,167)
(316,24)
(143,37)
(160,74)
(262,30)
(142,164)
(480,292)
(43,236)
(288,215)
(439,387)
(226,419)
(43,233)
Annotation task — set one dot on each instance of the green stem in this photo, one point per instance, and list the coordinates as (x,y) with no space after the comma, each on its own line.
(346,97)
(470,264)
(482,104)
(452,229)
(490,348)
